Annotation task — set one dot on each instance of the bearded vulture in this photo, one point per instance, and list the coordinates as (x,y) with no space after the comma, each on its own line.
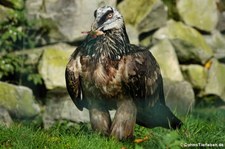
(107,72)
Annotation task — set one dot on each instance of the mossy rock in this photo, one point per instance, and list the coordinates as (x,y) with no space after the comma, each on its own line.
(53,64)
(167,59)
(216,41)
(130,8)
(216,80)
(199,13)
(196,75)
(18,100)
(189,44)
(147,18)
(179,96)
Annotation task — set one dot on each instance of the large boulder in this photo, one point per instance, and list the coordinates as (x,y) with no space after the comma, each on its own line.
(216,80)
(221,10)
(65,20)
(179,96)
(189,44)
(53,64)
(18,100)
(5,118)
(60,107)
(217,42)
(220,26)
(132,34)
(196,75)
(199,13)
(147,18)
(167,59)
(31,56)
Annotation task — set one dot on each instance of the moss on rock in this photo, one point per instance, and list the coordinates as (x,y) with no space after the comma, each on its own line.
(216,80)
(167,59)
(189,43)
(199,13)
(53,64)
(18,100)
(196,75)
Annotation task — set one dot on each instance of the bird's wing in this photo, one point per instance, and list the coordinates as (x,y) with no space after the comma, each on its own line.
(73,83)
(144,78)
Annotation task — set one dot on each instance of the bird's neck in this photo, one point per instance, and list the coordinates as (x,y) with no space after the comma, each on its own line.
(116,42)
(118,34)
(113,44)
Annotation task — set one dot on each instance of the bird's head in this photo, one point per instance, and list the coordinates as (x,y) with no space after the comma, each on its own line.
(107,18)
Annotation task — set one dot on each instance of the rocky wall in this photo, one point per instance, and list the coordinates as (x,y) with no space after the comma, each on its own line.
(186,37)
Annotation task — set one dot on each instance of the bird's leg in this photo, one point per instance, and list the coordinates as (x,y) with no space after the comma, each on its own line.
(124,120)
(100,120)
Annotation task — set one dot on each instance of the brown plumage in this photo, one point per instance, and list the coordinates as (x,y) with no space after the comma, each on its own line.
(107,72)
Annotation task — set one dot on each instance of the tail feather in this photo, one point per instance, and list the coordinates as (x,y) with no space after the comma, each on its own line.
(159,115)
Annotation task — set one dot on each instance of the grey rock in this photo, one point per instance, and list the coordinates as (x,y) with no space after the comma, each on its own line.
(220,26)
(32,55)
(216,80)
(189,43)
(165,55)
(152,20)
(60,107)
(52,64)
(221,10)
(148,14)
(64,19)
(179,96)
(196,75)
(132,34)
(5,118)
(18,100)
(217,42)
(201,13)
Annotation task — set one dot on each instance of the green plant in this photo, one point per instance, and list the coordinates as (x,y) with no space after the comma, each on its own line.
(17,33)
(13,67)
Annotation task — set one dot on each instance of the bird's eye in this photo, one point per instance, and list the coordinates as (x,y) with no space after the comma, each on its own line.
(110,15)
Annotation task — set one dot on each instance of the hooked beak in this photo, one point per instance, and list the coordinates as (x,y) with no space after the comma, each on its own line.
(96,29)
(95,26)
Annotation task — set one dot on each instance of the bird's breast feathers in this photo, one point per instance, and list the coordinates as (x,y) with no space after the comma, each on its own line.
(108,75)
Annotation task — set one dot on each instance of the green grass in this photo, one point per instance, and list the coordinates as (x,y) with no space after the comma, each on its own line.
(202,126)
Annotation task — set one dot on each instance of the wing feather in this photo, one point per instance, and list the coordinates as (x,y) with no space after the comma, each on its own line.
(145,85)
(73,84)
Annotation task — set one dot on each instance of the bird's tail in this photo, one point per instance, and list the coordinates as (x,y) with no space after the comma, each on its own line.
(173,121)
(158,116)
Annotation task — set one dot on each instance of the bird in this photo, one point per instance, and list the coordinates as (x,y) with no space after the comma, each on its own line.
(106,72)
